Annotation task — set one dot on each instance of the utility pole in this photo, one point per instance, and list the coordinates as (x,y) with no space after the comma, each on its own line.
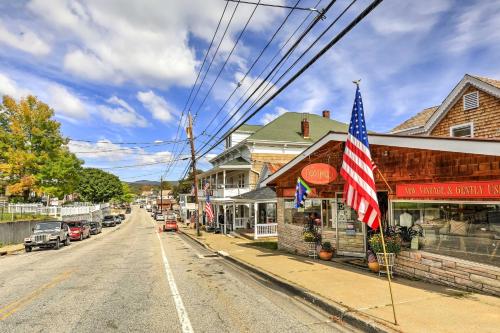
(161,195)
(189,133)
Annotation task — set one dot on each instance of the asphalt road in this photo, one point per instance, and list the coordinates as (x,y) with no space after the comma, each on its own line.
(132,279)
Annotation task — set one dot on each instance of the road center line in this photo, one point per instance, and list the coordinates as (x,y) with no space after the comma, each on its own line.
(179,305)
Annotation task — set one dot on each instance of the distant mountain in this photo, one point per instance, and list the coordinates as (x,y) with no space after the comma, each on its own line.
(145,182)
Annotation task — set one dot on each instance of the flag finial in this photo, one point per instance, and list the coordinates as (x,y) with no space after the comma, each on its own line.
(356,82)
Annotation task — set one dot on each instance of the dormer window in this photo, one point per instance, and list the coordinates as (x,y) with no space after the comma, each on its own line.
(463,130)
(471,100)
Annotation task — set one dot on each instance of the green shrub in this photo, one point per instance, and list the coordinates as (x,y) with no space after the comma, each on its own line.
(327,246)
(392,244)
(309,236)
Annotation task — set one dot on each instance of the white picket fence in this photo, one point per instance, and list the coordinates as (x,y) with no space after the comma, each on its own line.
(54,211)
(266,230)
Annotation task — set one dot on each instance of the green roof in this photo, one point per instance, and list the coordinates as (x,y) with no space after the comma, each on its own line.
(287,128)
(249,128)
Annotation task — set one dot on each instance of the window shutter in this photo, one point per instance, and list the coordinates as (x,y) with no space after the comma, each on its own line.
(471,101)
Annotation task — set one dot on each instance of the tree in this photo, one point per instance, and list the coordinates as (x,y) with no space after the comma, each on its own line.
(127,195)
(33,153)
(185,185)
(96,185)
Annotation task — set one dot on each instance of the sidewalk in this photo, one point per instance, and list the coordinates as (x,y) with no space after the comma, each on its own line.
(420,307)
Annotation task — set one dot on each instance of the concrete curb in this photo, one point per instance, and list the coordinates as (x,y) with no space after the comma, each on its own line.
(345,314)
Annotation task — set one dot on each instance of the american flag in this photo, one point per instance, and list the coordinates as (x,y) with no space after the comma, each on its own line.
(206,185)
(357,169)
(208,209)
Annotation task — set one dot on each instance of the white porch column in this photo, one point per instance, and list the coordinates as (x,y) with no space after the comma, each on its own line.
(234,215)
(216,180)
(255,213)
(224,179)
(225,218)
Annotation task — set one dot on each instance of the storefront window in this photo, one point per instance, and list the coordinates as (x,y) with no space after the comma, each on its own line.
(464,230)
(300,216)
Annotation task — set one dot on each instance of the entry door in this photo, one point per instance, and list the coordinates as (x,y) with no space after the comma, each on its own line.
(350,231)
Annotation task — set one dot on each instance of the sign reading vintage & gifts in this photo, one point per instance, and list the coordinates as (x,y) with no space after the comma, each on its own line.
(319,173)
(486,189)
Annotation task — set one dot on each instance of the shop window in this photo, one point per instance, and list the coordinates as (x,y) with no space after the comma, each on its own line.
(464,230)
(300,216)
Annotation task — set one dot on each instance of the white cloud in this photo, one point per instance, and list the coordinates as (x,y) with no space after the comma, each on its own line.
(145,42)
(268,117)
(66,103)
(156,105)
(123,114)
(396,17)
(10,87)
(24,40)
(102,149)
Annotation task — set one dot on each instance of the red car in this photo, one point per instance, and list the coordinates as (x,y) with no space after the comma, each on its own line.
(170,222)
(78,230)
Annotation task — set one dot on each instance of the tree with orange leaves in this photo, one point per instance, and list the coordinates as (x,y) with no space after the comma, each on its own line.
(34,157)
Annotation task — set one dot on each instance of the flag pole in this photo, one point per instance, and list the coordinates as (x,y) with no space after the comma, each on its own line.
(387,270)
(385,181)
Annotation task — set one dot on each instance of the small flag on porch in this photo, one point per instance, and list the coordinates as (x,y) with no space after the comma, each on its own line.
(302,190)
(206,185)
(357,168)
(192,190)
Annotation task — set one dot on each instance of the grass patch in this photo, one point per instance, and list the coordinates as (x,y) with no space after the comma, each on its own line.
(9,217)
(270,245)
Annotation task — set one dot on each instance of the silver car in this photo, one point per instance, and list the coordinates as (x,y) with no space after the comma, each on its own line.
(48,234)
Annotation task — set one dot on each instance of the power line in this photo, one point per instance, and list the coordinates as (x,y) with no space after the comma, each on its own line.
(156,142)
(277,65)
(315,58)
(137,165)
(227,59)
(204,77)
(252,66)
(312,9)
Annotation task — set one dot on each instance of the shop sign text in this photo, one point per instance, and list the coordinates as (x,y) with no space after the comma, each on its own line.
(319,173)
(487,189)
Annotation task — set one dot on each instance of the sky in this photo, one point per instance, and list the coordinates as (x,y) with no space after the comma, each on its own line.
(118,73)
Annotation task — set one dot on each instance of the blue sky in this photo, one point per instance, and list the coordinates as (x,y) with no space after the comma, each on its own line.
(121,71)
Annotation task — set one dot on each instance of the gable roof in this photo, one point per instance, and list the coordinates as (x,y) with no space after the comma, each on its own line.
(423,126)
(286,128)
(489,147)
(417,120)
(261,193)
(239,161)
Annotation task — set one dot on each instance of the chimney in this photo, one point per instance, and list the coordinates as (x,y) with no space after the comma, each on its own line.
(304,127)
(326,114)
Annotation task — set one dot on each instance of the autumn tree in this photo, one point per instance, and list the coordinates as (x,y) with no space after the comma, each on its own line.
(33,153)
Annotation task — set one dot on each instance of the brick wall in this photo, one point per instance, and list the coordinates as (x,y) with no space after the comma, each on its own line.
(486,117)
(259,159)
(449,271)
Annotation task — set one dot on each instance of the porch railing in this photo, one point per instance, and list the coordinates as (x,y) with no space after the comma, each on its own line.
(240,222)
(266,230)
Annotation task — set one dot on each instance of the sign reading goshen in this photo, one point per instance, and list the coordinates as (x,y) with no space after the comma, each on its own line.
(486,189)
(319,173)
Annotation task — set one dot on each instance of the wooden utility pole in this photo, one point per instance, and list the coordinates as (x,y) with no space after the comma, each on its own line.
(161,195)
(189,132)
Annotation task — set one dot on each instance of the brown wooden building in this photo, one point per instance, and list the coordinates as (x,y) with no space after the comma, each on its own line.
(448,187)
(471,109)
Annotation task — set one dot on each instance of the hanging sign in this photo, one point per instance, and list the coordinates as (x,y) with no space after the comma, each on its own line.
(319,173)
(486,189)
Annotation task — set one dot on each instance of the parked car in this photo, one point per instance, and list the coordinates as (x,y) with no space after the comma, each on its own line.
(141,206)
(95,228)
(48,234)
(160,217)
(79,230)
(109,221)
(128,210)
(118,220)
(122,216)
(170,222)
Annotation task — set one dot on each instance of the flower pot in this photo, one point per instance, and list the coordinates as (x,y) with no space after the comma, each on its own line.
(374,266)
(325,255)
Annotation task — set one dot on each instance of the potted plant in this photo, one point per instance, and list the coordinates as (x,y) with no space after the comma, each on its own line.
(392,246)
(372,261)
(309,237)
(326,252)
